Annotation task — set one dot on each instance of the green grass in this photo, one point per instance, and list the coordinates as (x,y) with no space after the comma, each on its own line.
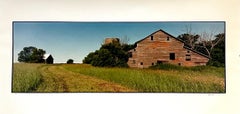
(86,78)
(57,79)
(147,80)
(204,70)
(26,77)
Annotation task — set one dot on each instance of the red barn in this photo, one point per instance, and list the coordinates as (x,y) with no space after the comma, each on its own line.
(161,47)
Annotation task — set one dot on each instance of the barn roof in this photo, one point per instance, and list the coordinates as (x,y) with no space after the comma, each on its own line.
(163,32)
(45,56)
(196,52)
(176,39)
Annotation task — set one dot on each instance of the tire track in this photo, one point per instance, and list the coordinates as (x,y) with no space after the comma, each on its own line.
(51,82)
(58,79)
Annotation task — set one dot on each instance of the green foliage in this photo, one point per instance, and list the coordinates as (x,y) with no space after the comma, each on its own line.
(215,63)
(109,55)
(127,47)
(199,47)
(31,55)
(189,39)
(166,67)
(26,77)
(218,53)
(89,58)
(102,58)
(70,61)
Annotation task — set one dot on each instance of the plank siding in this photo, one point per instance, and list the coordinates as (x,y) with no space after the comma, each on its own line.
(157,48)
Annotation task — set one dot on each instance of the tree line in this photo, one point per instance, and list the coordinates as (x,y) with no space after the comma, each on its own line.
(116,54)
(32,54)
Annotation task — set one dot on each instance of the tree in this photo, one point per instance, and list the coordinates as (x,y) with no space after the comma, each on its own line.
(189,39)
(31,55)
(89,58)
(70,61)
(109,55)
(124,40)
(119,55)
(209,41)
(218,52)
(103,58)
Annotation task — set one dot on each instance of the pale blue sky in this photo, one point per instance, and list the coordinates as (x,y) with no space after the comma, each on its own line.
(74,40)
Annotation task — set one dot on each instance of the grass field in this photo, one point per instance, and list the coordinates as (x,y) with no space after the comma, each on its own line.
(86,78)
(26,77)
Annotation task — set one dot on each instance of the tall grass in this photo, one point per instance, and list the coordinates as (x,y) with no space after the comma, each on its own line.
(204,70)
(79,77)
(26,77)
(147,80)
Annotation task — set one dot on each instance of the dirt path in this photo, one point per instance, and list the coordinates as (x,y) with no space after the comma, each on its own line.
(57,79)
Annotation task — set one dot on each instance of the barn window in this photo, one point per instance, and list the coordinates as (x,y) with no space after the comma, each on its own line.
(151,37)
(168,38)
(172,56)
(188,51)
(141,63)
(188,57)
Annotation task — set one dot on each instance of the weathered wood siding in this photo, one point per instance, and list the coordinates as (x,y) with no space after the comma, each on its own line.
(157,47)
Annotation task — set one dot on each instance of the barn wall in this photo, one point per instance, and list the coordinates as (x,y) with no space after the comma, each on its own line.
(49,60)
(157,48)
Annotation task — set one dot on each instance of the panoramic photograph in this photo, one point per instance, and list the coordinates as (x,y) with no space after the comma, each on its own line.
(118,57)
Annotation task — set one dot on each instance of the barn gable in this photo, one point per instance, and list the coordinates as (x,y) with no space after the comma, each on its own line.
(48,58)
(163,33)
(161,47)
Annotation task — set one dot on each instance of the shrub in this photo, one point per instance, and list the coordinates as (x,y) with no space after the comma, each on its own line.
(166,67)
(215,63)
(109,55)
(70,61)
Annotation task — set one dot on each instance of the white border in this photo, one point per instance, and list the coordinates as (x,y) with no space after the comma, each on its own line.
(120,10)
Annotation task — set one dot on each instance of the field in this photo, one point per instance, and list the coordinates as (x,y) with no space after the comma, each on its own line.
(86,78)
(26,77)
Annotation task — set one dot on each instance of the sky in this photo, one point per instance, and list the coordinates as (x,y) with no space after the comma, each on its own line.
(75,40)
